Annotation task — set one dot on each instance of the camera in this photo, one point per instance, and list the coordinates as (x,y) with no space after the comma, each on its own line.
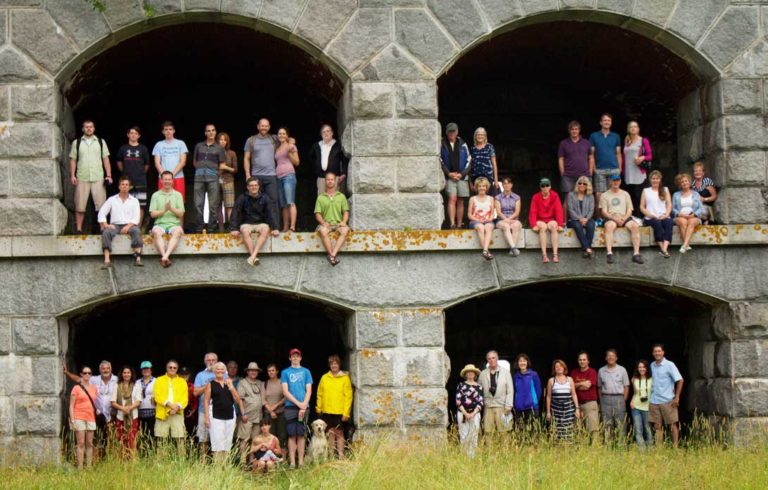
(643,399)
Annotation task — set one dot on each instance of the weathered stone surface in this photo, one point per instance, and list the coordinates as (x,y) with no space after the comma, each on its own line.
(690,145)
(378,407)
(32,217)
(4,108)
(40,416)
(381,281)
(742,358)
(750,397)
(369,175)
(691,19)
(161,7)
(283,12)
(33,103)
(394,137)
(6,416)
(702,360)
(742,95)
(623,6)
(416,100)
(377,328)
(577,4)
(460,18)
(735,30)
(374,367)
(425,407)
(749,431)
(247,9)
(746,132)
(419,174)
(699,396)
(16,68)
(746,167)
(743,320)
(656,11)
(753,63)
(27,140)
(713,136)
(363,36)
(743,277)
(689,111)
(418,33)
(35,32)
(536,6)
(5,335)
(212,5)
(419,367)
(500,12)
(423,328)
(372,100)
(392,3)
(3,24)
(120,13)
(31,375)
(396,211)
(393,64)
(35,336)
(743,205)
(84,23)
(34,178)
(32,450)
(334,13)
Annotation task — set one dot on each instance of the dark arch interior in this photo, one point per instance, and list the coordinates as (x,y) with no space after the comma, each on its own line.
(524,87)
(238,324)
(556,320)
(196,73)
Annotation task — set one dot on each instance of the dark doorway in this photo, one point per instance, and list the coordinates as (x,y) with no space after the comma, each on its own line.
(556,320)
(525,86)
(198,73)
(184,324)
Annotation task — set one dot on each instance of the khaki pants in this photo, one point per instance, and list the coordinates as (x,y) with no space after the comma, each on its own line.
(590,413)
(493,420)
(84,189)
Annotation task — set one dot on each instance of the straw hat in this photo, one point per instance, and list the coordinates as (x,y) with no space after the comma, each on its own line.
(470,367)
(252,366)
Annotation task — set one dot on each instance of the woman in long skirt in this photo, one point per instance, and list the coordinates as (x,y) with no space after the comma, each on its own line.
(562,404)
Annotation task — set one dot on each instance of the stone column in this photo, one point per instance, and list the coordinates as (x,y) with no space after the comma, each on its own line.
(30,389)
(399,369)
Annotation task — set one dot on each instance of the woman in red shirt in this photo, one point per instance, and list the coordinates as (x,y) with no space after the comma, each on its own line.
(546,213)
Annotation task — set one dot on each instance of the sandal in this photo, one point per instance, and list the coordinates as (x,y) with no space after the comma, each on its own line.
(487,255)
(545,259)
(555,258)
(106,266)
(137,260)
(331,259)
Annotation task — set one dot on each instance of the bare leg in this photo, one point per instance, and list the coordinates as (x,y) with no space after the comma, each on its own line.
(79,448)
(229,213)
(286,212)
(326,241)
(610,226)
(659,434)
(245,232)
(293,212)
(480,230)
(157,237)
(301,442)
(79,218)
(675,434)
(107,255)
(452,210)
(634,234)
(488,235)
(542,236)
(340,442)
(292,450)
(516,227)
(552,227)
(343,231)
(89,448)
(180,447)
(460,212)
(173,242)
(690,228)
(263,235)
(505,228)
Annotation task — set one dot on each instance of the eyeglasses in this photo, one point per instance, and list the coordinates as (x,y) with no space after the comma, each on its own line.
(581,183)
(173,367)
(544,185)
(86,373)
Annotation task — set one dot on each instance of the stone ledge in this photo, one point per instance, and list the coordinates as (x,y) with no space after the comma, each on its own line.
(365,241)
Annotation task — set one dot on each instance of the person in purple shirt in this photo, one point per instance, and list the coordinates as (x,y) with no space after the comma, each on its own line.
(573,158)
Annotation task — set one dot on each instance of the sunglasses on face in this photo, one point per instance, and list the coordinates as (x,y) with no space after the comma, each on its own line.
(173,367)
(86,373)
(544,185)
(582,183)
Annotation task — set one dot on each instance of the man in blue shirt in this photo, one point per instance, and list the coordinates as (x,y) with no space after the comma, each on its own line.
(605,155)
(665,395)
(297,389)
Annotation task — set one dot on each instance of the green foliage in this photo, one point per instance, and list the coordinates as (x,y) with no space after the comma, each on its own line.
(97,5)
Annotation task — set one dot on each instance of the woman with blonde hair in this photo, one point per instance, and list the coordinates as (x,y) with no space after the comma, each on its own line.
(581,207)
(481,215)
(484,161)
(220,395)
(656,206)
(705,186)
(227,171)
(686,208)
(637,157)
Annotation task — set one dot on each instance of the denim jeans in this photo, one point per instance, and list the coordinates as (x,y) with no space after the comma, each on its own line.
(643,434)
(585,233)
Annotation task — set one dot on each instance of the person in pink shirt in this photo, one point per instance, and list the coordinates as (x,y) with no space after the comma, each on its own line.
(482,214)
(286,158)
(546,214)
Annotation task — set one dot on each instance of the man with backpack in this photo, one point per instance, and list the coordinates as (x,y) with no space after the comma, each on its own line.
(254,212)
(89,168)
(259,160)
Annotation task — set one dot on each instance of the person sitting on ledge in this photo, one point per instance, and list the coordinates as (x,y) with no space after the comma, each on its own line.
(546,214)
(254,212)
(481,215)
(124,213)
(167,209)
(687,209)
(508,206)
(616,207)
(332,214)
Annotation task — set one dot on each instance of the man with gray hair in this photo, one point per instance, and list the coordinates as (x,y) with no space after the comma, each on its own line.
(498,393)
(201,381)
(613,390)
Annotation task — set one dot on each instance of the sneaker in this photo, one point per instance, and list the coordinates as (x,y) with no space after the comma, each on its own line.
(514,252)
(683,249)
(609,258)
(638,259)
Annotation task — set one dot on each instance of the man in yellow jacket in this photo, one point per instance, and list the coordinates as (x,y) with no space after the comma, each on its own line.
(171,398)
(334,402)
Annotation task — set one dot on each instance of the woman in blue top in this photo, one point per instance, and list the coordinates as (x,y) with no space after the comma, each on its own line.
(484,161)
(527,393)
(686,208)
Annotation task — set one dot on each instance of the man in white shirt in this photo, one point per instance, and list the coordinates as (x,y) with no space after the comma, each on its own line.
(124,213)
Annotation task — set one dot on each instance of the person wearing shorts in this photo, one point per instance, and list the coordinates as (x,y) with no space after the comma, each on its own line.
(171,155)
(82,417)
(297,388)
(89,168)
(665,396)
(332,214)
(605,155)
(254,212)
(456,161)
(167,209)
(171,397)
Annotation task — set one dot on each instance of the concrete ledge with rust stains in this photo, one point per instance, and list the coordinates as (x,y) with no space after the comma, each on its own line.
(366,241)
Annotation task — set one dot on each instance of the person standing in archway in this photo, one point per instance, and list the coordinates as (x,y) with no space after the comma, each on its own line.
(89,169)
(207,158)
(616,208)
(498,395)
(585,382)
(334,403)
(167,209)
(605,155)
(527,394)
(297,389)
(171,397)
(259,159)
(562,402)
(484,161)
(328,156)
(274,405)
(82,417)
(665,396)
(642,384)
(133,161)
(636,160)
(201,381)
(287,158)
(251,391)
(227,172)
(171,156)
(106,386)
(573,159)
(220,420)
(126,400)
(546,214)
(254,212)
(456,162)
(613,389)
(147,407)
(469,404)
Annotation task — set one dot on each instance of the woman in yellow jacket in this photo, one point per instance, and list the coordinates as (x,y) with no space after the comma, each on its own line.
(334,402)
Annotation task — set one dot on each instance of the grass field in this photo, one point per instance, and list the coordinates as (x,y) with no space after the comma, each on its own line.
(386,465)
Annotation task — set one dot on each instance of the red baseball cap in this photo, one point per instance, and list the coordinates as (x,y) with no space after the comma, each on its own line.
(294,351)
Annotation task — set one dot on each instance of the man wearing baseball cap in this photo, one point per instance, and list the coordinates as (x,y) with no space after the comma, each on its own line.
(297,389)
(455,160)
(616,208)
(251,391)
(147,407)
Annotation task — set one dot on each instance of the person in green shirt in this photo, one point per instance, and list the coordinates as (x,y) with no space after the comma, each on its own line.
(332,214)
(89,168)
(167,209)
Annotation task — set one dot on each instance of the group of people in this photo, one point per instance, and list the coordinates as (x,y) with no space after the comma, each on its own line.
(266,420)
(591,179)
(505,400)
(269,164)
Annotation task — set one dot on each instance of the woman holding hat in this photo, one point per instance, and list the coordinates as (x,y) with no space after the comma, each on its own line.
(546,214)
(334,403)
(469,404)
(251,391)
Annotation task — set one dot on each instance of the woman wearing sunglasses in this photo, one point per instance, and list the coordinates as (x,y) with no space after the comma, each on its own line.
(546,214)
(82,417)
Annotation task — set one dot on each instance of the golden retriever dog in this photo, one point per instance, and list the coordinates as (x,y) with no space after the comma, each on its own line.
(318,444)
